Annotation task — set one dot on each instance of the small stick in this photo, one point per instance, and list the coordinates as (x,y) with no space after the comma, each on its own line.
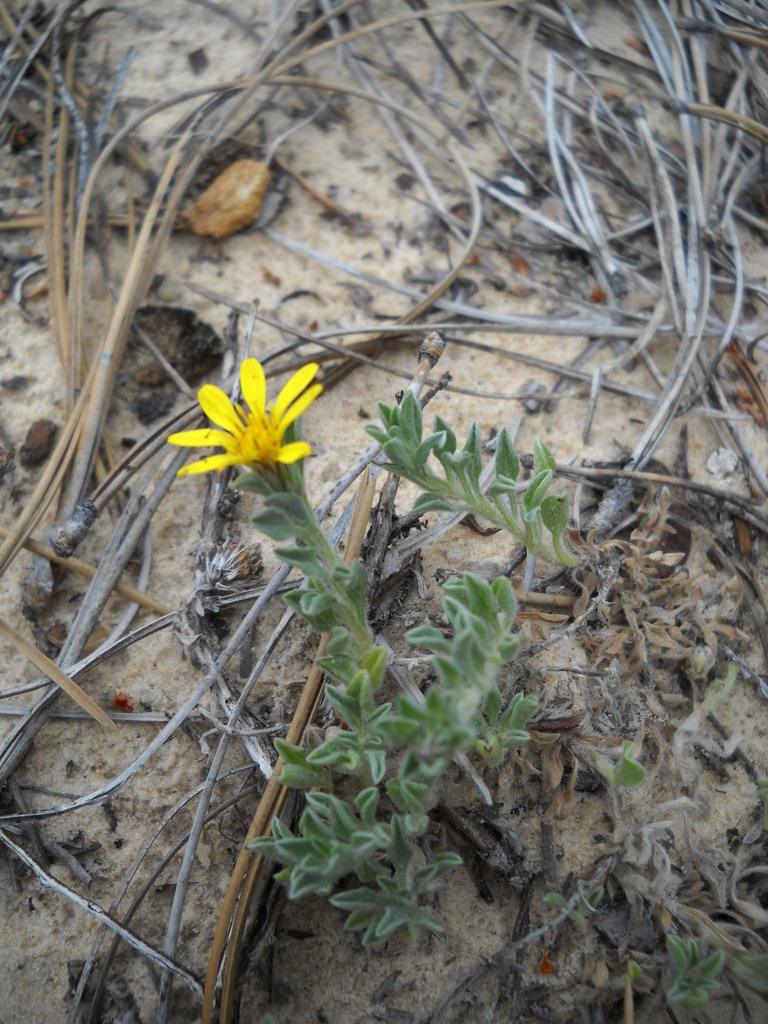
(89,571)
(506,956)
(324,200)
(55,674)
(594,394)
(430,351)
(100,915)
(752,508)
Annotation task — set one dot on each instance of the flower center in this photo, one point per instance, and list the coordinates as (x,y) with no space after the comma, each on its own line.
(262,437)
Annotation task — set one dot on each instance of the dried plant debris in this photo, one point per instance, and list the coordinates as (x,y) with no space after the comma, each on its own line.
(38,443)
(232,202)
(189,344)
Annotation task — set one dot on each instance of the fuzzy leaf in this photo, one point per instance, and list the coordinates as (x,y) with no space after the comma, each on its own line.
(432,503)
(377,433)
(752,972)
(256,483)
(505,597)
(399,455)
(427,636)
(410,418)
(352,582)
(316,607)
(274,524)
(554,515)
(538,488)
(408,795)
(479,596)
(542,458)
(348,707)
(400,849)
(491,704)
(472,447)
(517,714)
(294,777)
(441,427)
(628,773)
(377,764)
(290,753)
(386,413)
(301,557)
(507,463)
(440,865)
(509,647)
(375,664)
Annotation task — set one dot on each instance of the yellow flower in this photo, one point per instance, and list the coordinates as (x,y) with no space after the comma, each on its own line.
(252,436)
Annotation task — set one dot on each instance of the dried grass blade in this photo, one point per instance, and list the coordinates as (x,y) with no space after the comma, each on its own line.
(54,673)
(476,206)
(173,723)
(138,900)
(106,359)
(183,878)
(231,923)
(729,117)
(52,224)
(89,571)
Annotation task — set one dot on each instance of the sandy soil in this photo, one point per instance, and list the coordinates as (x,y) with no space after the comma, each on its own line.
(312,970)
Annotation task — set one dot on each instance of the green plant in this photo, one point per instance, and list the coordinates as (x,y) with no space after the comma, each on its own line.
(692,978)
(719,690)
(586,905)
(628,772)
(457,487)
(751,971)
(402,751)
(414,741)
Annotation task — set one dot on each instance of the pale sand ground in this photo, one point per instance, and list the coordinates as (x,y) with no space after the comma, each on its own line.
(318,972)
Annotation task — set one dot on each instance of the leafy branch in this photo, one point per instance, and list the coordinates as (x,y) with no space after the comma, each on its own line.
(399,754)
(457,488)
(461,712)
(692,978)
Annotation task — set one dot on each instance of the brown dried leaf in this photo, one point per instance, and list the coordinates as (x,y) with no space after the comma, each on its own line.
(231,202)
(551,767)
(38,443)
(54,673)
(670,641)
(613,645)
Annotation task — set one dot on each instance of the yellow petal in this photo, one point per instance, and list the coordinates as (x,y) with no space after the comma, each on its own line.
(210,463)
(298,407)
(253,385)
(293,388)
(205,438)
(293,452)
(218,408)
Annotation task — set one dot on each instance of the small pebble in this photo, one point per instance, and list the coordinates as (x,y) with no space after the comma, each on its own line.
(38,444)
(231,202)
(533,404)
(198,61)
(154,406)
(722,462)
(16,383)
